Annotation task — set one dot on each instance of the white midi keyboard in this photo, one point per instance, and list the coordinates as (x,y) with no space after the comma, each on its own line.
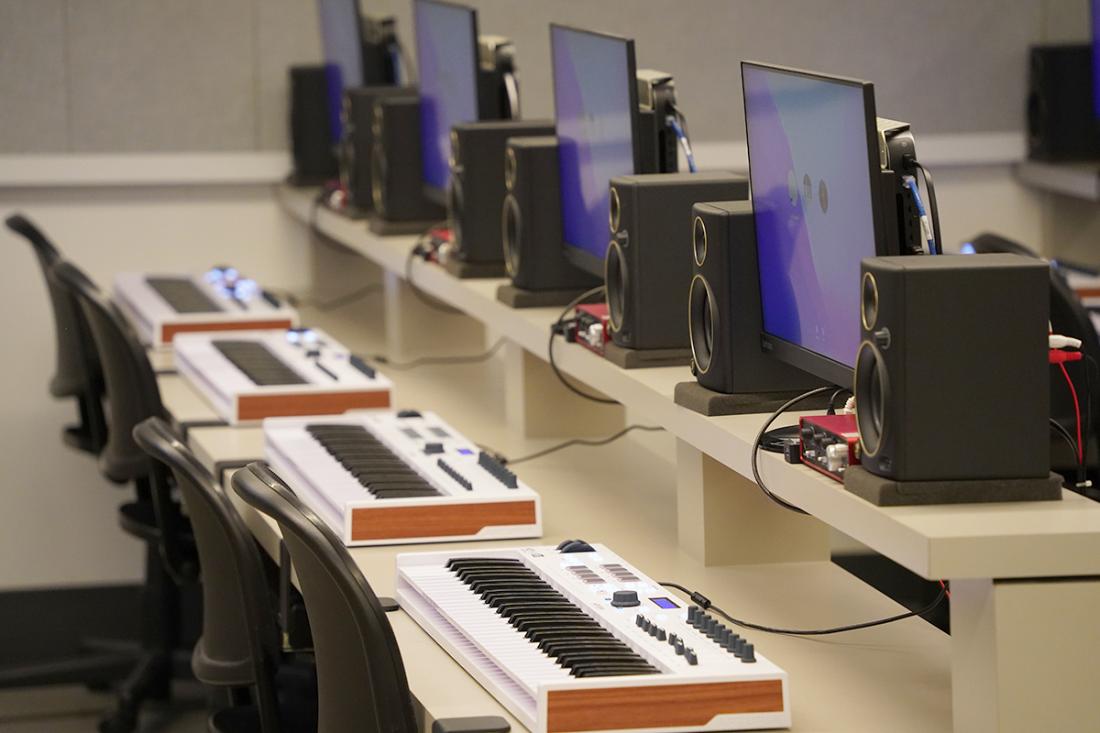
(247,376)
(161,306)
(386,477)
(573,638)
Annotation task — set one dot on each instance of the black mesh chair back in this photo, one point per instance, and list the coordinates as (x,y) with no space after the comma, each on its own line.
(131,384)
(77,372)
(240,639)
(360,676)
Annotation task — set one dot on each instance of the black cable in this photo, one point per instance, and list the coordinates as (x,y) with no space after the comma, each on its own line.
(1065,435)
(935,210)
(760,436)
(832,399)
(436,360)
(337,302)
(554,330)
(704,603)
(420,250)
(581,441)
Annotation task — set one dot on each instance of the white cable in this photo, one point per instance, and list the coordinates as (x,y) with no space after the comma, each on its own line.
(1058,341)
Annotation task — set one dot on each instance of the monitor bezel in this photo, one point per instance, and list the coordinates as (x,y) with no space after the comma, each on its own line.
(575,254)
(433,193)
(789,352)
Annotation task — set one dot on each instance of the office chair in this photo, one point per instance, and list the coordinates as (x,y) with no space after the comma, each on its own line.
(239,650)
(77,373)
(153,517)
(360,675)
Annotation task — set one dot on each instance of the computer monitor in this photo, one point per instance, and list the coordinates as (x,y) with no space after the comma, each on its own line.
(342,42)
(596,113)
(813,167)
(446,54)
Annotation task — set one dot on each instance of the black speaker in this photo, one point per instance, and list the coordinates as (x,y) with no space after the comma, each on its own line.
(951,378)
(724,317)
(358,144)
(476,193)
(397,188)
(648,264)
(311,145)
(530,219)
(1061,121)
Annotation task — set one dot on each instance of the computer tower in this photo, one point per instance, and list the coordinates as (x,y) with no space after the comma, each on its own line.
(358,145)
(724,316)
(1061,120)
(648,267)
(312,147)
(951,377)
(477,187)
(397,187)
(530,219)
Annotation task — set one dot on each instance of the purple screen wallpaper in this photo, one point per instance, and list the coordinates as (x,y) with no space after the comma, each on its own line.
(593,114)
(339,20)
(811,191)
(446,55)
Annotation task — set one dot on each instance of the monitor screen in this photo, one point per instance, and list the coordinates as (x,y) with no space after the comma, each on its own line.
(595,109)
(810,142)
(343,48)
(446,55)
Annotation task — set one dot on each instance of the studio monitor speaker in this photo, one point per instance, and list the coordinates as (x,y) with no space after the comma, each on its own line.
(530,219)
(397,187)
(951,377)
(358,145)
(724,317)
(311,144)
(477,188)
(648,264)
(1061,120)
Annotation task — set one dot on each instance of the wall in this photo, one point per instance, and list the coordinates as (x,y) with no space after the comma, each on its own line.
(134,75)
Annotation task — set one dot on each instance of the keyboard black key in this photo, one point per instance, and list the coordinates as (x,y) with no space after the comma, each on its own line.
(258,363)
(183,295)
(380,471)
(562,630)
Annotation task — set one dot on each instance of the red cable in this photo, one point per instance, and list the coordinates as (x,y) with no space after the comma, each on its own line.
(1077,411)
(944,586)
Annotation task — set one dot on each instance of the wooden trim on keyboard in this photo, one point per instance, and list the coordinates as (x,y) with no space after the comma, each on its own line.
(257,407)
(658,706)
(1087,292)
(439,520)
(168,331)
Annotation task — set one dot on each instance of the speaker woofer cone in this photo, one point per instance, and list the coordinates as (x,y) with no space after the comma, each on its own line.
(868,313)
(872,392)
(509,169)
(702,314)
(510,235)
(615,280)
(378,178)
(454,158)
(699,241)
(614,210)
(455,203)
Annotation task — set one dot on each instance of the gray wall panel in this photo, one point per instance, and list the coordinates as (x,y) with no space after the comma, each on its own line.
(32,76)
(943,65)
(160,75)
(168,75)
(286,34)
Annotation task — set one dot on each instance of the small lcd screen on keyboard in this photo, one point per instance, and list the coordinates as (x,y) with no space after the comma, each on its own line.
(663,602)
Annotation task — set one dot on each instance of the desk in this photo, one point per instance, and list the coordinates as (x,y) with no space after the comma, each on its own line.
(1024,647)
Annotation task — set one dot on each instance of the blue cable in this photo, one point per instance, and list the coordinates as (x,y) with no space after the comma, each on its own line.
(684,142)
(911,184)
